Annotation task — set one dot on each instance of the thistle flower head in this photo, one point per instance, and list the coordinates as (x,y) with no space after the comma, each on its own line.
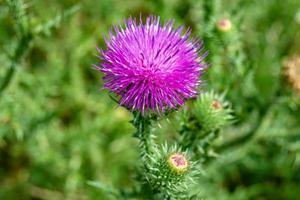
(151,66)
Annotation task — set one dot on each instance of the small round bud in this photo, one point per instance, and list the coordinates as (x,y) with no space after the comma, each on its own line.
(178,162)
(170,171)
(209,112)
(224,25)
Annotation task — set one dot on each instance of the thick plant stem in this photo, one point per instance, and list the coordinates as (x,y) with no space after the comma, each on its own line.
(145,139)
(199,145)
(143,126)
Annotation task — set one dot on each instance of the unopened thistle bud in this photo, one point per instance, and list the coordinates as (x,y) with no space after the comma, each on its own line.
(169,171)
(211,112)
(224,25)
(292,71)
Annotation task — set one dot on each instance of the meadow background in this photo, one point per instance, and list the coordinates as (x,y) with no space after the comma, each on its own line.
(63,138)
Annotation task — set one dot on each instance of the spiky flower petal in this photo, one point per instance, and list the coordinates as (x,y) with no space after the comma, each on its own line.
(151,66)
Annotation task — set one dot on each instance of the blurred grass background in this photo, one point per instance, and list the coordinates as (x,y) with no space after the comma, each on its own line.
(58,131)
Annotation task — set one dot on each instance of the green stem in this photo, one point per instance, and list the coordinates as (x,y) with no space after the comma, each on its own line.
(17,10)
(209,7)
(205,142)
(202,148)
(143,126)
(7,78)
(211,10)
(23,46)
(187,138)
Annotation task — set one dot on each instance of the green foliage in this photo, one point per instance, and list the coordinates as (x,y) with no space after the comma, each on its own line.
(60,138)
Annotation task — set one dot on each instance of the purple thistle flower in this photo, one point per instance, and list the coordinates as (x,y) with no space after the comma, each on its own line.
(151,66)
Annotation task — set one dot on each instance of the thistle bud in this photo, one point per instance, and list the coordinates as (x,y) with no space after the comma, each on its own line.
(224,25)
(169,171)
(211,112)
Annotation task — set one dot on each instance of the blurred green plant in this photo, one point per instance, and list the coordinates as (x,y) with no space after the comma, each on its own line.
(25,35)
(60,138)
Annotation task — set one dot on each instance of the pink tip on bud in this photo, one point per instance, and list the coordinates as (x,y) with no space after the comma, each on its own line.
(216,105)
(224,25)
(178,162)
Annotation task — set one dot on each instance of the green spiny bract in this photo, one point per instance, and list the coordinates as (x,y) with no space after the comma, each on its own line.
(201,123)
(170,178)
(144,130)
(209,113)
